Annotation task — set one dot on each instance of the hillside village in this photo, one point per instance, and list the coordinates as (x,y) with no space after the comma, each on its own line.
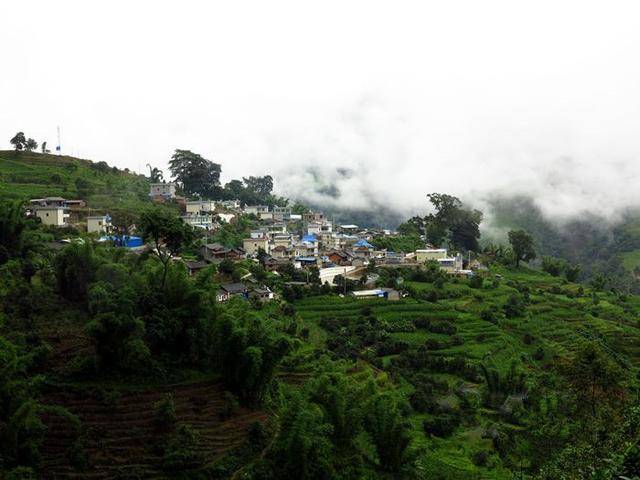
(279,241)
(458,350)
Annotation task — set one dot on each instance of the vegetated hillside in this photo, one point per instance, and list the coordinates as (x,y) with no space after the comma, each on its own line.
(483,366)
(25,175)
(601,246)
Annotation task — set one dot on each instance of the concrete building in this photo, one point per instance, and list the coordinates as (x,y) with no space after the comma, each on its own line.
(230,290)
(430,254)
(387,293)
(317,228)
(252,245)
(162,191)
(99,224)
(255,209)
(55,216)
(282,214)
(199,206)
(196,220)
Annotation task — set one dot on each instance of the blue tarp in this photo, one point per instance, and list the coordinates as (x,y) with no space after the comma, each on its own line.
(128,241)
(362,243)
(309,238)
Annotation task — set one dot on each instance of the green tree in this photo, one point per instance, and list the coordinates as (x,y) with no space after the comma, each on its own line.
(261,186)
(596,381)
(168,234)
(522,244)
(572,272)
(250,350)
(117,332)
(303,449)
(389,432)
(155,174)
(553,266)
(30,145)
(75,267)
(12,230)
(452,222)
(195,174)
(18,141)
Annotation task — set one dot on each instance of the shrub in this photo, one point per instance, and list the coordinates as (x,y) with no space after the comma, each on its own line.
(441,425)
(257,433)
(181,452)
(538,354)
(230,406)
(77,454)
(21,473)
(479,458)
(515,307)
(490,314)
(476,281)
(553,266)
(165,412)
(444,327)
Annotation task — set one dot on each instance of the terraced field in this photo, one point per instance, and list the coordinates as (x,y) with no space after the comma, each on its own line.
(121,437)
(558,318)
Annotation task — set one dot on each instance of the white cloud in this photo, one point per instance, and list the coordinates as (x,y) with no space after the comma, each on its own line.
(464,97)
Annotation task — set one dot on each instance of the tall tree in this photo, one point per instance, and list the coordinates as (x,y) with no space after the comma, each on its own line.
(12,227)
(522,244)
(155,174)
(261,186)
(597,381)
(30,145)
(195,174)
(168,234)
(451,222)
(19,141)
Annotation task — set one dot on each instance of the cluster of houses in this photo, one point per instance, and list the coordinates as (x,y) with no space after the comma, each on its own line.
(281,240)
(57,211)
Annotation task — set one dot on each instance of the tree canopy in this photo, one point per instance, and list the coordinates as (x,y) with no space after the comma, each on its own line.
(195,174)
(522,244)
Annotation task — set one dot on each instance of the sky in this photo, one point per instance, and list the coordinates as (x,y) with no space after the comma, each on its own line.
(381,101)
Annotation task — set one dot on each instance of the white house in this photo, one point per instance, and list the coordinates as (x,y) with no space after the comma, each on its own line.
(319,227)
(255,209)
(281,214)
(99,224)
(259,234)
(229,204)
(430,254)
(199,206)
(206,222)
(164,190)
(56,216)
(451,264)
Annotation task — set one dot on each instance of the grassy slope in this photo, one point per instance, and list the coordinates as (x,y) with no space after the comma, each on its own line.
(27,175)
(558,323)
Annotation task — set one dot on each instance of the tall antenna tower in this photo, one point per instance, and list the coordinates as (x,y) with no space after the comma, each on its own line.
(58,146)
